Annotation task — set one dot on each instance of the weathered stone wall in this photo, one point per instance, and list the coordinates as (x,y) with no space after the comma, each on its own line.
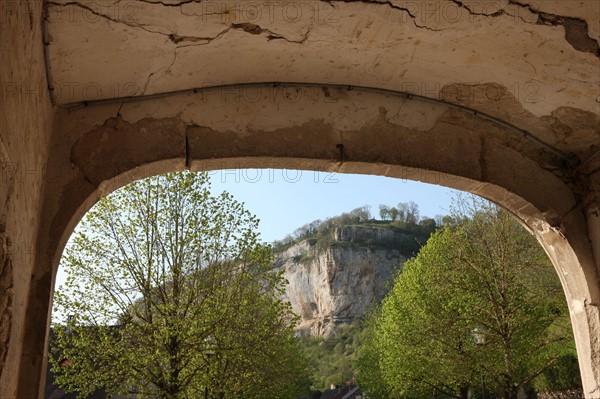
(354,233)
(514,116)
(110,144)
(6,297)
(25,132)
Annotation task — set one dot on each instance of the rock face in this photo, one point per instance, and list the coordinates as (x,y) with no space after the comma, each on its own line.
(335,282)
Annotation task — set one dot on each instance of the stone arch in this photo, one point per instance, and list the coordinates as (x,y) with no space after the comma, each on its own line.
(105,145)
(541,57)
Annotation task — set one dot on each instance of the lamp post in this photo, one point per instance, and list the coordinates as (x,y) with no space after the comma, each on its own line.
(479,338)
(70,323)
(208,352)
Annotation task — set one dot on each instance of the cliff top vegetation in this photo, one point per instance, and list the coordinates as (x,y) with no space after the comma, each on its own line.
(403,218)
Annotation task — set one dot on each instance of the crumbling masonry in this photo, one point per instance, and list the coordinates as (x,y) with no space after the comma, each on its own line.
(498,97)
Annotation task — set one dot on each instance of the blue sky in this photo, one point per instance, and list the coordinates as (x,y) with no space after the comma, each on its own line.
(286,199)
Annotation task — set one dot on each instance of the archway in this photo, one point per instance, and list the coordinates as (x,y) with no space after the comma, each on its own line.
(348,130)
(534,66)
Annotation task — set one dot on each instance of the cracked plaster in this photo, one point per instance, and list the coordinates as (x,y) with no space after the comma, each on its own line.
(519,123)
(379,132)
(157,49)
(335,113)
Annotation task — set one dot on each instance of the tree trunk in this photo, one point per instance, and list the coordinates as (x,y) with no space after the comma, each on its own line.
(510,391)
(514,392)
(464,393)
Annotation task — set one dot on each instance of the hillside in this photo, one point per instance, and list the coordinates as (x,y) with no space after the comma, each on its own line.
(336,275)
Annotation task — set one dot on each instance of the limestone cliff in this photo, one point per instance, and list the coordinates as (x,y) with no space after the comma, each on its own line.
(334,280)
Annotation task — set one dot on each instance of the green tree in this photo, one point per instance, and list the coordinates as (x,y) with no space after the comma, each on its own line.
(332,357)
(367,362)
(485,273)
(384,212)
(408,212)
(394,214)
(171,295)
(561,376)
